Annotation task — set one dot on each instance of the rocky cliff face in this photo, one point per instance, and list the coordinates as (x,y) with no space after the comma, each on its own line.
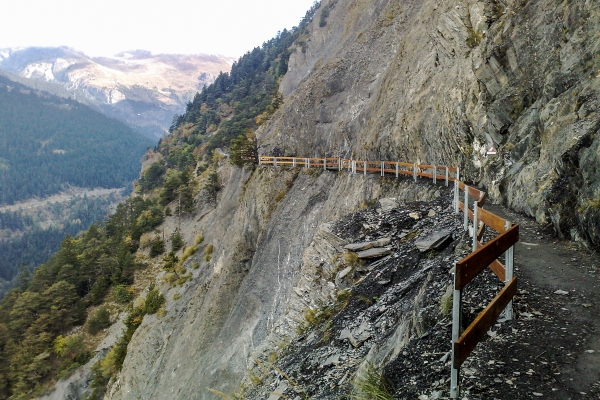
(376,79)
(443,82)
(138,88)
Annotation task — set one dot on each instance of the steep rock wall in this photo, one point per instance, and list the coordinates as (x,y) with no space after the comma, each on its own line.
(444,81)
(260,229)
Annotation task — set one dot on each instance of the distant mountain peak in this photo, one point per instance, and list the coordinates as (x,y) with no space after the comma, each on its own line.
(137,87)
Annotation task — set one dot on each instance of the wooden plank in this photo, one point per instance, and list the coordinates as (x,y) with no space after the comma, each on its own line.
(475,193)
(461,185)
(475,332)
(470,266)
(452,169)
(492,220)
(424,174)
(424,166)
(496,266)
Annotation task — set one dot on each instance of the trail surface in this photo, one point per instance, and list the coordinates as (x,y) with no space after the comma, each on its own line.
(561,279)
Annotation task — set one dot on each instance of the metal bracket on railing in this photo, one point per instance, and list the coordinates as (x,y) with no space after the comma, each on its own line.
(364,168)
(382,169)
(275,161)
(475,225)
(456,317)
(456,197)
(466,208)
(396,169)
(415,171)
(446,176)
(294,161)
(509,261)
(434,174)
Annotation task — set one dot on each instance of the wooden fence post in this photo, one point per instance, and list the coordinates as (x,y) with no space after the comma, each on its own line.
(466,208)
(509,264)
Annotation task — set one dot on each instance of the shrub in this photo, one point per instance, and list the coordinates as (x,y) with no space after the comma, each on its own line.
(154,300)
(157,247)
(176,241)
(370,384)
(99,320)
(121,294)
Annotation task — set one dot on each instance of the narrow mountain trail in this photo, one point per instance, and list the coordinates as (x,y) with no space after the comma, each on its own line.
(567,279)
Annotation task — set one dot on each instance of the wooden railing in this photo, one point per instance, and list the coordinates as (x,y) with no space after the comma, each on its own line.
(484,254)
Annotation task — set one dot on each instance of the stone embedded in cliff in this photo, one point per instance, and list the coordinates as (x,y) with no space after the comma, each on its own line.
(382,242)
(279,392)
(435,241)
(387,204)
(415,215)
(375,252)
(358,246)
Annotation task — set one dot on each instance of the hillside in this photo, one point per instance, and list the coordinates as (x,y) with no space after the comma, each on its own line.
(48,143)
(231,278)
(141,89)
(51,145)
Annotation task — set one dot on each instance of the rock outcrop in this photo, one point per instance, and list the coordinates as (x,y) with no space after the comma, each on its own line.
(425,81)
(443,82)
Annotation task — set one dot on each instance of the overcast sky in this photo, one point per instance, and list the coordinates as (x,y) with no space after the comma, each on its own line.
(106,27)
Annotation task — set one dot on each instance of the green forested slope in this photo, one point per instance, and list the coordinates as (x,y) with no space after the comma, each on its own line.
(47,142)
(37,340)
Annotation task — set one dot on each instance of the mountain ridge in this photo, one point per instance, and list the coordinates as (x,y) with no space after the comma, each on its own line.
(137,87)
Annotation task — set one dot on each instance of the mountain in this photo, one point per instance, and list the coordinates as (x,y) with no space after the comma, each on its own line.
(221,279)
(139,88)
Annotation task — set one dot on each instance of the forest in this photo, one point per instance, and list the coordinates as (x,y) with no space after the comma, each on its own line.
(28,243)
(47,143)
(94,270)
(36,317)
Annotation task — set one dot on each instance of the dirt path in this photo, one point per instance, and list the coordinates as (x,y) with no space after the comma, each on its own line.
(548,265)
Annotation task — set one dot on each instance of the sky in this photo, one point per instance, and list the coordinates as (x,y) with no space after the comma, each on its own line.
(107,27)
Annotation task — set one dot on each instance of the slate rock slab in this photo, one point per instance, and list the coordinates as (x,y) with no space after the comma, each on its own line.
(375,252)
(435,241)
(358,246)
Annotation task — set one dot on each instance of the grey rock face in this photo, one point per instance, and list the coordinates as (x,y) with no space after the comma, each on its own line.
(437,82)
